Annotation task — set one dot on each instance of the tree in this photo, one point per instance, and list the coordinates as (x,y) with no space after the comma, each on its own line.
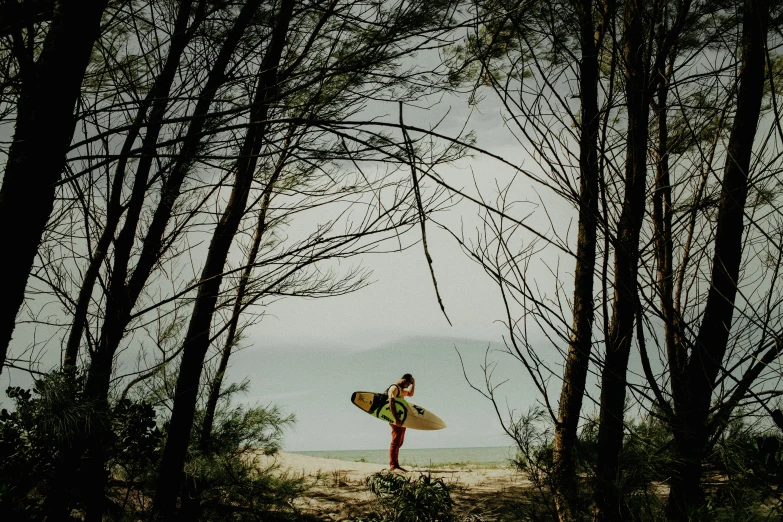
(121,292)
(694,419)
(197,337)
(47,80)
(666,240)
(181,108)
(566,31)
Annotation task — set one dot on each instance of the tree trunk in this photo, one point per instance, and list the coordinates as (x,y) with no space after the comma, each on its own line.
(197,337)
(118,306)
(575,375)
(639,87)
(45,124)
(118,303)
(122,297)
(157,98)
(690,430)
(236,312)
(662,222)
(621,329)
(191,501)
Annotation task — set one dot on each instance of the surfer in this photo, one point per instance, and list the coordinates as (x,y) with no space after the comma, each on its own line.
(402,388)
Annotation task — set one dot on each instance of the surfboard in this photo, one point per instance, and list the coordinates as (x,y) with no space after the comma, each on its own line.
(412,415)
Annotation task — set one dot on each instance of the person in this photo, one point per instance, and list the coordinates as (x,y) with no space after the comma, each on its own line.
(402,388)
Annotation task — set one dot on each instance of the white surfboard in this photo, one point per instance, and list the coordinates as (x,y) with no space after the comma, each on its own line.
(412,415)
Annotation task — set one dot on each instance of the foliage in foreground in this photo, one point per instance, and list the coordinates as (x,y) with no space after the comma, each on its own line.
(49,425)
(226,475)
(404,499)
(401,498)
(741,480)
(47,433)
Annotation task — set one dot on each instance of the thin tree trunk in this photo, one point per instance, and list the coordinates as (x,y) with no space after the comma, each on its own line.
(690,431)
(618,344)
(45,124)
(662,222)
(190,508)
(157,98)
(236,312)
(197,337)
(639,87)
(575,375)
(118,305)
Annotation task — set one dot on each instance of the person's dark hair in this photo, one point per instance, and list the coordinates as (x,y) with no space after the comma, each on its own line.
(407,377)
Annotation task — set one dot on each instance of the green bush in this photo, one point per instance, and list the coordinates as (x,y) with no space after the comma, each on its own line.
(27,459)
(742,478)
(46,434)
(404,499)
(746,466)
(226,475)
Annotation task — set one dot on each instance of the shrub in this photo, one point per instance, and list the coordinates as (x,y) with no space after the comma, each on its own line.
(404,499)
(742,477)
(43,440)
(48,421)
(747,469)
(224,480)
(46,433)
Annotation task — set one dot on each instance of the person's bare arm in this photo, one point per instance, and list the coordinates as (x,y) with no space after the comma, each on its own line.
(412,388)
(393,411)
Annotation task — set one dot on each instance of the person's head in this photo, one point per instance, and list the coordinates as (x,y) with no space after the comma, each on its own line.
(407,379)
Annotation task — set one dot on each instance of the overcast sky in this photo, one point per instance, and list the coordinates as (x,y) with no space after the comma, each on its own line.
(401,301)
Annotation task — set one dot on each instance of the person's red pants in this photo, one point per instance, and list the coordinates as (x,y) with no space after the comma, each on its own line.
(398,437)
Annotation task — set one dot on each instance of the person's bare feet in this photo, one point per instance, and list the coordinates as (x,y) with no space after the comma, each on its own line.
(397,468)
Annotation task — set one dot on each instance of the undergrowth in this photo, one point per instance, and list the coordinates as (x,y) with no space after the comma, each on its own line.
(741,480)
(400,498)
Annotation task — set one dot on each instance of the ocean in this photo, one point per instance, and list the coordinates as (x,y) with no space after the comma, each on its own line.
(492,456)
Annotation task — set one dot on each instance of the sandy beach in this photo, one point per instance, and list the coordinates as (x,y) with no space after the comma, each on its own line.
(339,491)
